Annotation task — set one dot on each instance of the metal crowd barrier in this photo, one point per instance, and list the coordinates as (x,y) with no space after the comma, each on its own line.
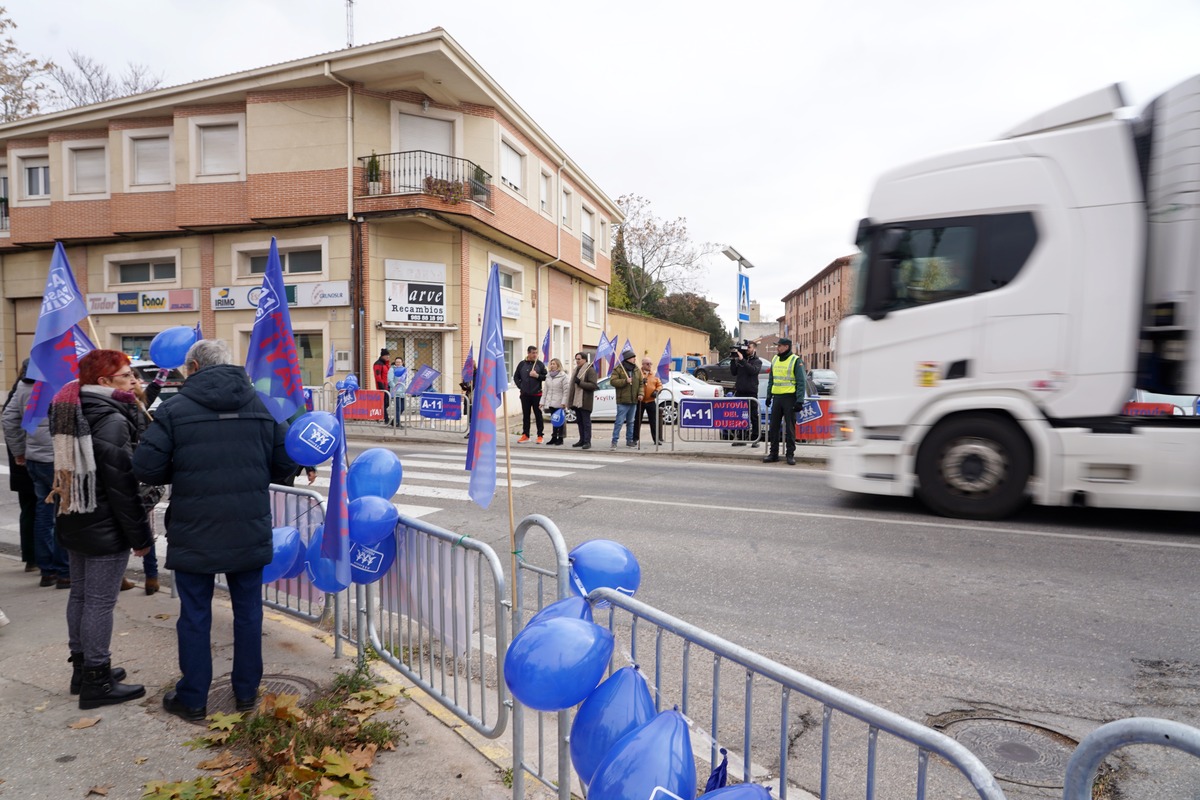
(438,617)
(725,435)
(763,739)
(410,419)
(304,510)
(1096,746)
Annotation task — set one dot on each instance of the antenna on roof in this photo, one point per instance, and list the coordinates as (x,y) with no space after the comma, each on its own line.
(349,23)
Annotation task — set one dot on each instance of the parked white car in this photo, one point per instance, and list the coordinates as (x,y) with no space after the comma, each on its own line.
(677,386)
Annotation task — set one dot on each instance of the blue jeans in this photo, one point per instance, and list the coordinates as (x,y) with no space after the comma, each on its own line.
(194,631)
(627,416)
(51,558)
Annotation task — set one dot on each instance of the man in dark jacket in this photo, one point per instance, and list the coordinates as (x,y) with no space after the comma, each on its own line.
(220,449)
(528,377)
(746,367)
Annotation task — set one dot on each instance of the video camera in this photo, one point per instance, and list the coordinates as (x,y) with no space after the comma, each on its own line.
(742,347)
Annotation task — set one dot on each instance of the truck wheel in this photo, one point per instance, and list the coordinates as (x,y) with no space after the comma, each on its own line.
(702,375)
(974,467)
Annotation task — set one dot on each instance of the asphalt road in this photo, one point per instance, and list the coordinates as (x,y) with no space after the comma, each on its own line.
(1051,623)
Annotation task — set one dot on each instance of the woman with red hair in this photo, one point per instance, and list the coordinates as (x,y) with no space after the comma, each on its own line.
(94,425)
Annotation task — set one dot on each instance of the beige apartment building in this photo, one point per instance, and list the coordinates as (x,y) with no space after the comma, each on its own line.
(392,176)
(812,312)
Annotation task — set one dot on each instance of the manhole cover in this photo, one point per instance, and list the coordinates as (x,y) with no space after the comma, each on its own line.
(1015,751)
(221,699)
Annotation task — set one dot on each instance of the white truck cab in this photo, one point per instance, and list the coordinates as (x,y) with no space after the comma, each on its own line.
(1008,299)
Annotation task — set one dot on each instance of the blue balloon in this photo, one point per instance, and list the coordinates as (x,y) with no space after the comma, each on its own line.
(657,754)
(312,438)
(351,381)
(371,519)
(742,791)
(555,664)
(169,348)
(619,706)
(376,471)
(573,607)
(369,563)
(301,560)
(285,543)
(600,562)
(321,571)
(558,418)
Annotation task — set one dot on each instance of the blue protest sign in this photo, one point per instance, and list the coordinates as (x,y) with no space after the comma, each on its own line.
(730,413)
(810,412)
(441,406)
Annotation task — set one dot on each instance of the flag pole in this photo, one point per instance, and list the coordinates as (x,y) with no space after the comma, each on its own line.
(92,328)
(512,528)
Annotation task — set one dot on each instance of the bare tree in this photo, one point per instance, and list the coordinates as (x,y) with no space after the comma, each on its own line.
(24,84)
(653,257)
(88,81)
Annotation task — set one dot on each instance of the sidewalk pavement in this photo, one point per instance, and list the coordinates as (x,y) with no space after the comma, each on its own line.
(137,741)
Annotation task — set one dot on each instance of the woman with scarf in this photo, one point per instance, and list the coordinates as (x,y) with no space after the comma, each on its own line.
(94,425)
(554,397)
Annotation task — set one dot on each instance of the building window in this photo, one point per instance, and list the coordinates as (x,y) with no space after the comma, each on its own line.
(566,208)
(89,170)
(146,271)
(544,192)
(293,262)
(512,166)
(150,161)
(511,346)
(159,268)
(585,236)
(217,148)
(37,178)
(593,311)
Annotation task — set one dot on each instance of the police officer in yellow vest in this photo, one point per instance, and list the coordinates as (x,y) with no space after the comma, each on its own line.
(785,394)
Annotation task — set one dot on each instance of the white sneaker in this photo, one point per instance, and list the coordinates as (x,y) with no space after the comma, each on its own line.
(3,618)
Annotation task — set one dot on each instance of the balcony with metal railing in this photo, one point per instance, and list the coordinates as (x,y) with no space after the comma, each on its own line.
(453,180)
(4,216)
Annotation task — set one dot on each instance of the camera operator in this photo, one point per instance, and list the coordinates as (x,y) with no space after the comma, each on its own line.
(746,367)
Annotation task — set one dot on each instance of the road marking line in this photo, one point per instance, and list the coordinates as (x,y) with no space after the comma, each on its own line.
(570,456)
(913,523)
(541,473)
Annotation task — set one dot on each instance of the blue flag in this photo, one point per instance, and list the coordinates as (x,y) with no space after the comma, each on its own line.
(491,382)
(272,362)
(83,345)
(664,364)
(199,333)
(546,345)
(468,370)
(329,367)
(612,353)
(53,358)
(603,350)
(424,379)
(335,541)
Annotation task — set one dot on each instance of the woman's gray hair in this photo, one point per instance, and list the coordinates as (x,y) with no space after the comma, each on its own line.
(208,353)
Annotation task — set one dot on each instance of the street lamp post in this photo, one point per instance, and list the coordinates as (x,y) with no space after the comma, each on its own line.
(734,255)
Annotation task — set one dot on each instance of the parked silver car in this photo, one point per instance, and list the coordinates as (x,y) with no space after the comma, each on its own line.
(825,379)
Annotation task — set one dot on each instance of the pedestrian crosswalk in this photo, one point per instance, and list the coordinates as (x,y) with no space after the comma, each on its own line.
(437,474)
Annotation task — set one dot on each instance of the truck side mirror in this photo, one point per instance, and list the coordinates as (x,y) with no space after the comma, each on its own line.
(886,256)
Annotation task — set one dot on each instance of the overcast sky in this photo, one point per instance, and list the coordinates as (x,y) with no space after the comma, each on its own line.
(764,124)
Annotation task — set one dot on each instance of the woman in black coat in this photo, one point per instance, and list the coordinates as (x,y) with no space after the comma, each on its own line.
(93,422)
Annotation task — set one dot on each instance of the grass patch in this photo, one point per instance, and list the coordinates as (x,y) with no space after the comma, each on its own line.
(285,749)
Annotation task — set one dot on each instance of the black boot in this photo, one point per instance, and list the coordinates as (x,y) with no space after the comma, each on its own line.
(101,689)
(772,455)
(76,661)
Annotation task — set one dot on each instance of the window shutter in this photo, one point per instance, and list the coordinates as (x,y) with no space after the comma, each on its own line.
(151,161)
(89,171)
(220,153)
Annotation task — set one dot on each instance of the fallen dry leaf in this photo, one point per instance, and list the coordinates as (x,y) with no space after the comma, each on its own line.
(225,759)
(100,790)
(84,722)
(162,616)
(141,759)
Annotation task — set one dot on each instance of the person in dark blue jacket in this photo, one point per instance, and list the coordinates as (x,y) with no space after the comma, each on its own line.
(219,447)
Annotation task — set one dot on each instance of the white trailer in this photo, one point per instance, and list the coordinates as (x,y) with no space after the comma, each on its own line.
(1008,300)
